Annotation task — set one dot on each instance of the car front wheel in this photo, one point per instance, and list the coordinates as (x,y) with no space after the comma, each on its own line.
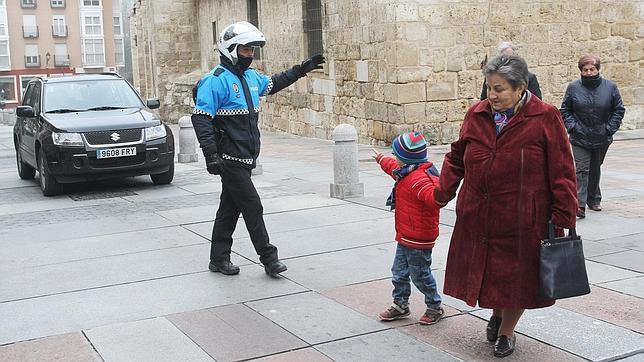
(25,171)
(48,183)
(164,178)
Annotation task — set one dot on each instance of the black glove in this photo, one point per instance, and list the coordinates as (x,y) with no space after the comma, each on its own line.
(310,64)
(214,164)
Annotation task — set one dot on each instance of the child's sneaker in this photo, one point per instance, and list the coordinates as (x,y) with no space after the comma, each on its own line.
(432,316)
(394,312)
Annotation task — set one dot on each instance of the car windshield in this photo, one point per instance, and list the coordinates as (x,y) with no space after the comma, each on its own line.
(87,95)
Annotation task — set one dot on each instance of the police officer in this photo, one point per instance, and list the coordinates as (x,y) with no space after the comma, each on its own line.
(225,121)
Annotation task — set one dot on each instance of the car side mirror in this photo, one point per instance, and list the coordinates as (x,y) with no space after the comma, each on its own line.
(153,103)
(25,111)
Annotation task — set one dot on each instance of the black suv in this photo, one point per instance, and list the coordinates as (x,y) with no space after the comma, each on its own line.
(89,127)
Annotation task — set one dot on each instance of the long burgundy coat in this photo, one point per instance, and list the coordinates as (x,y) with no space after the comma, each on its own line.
(512,185)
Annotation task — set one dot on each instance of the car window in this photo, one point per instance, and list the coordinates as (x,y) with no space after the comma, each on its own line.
(35,97)
(26,100)
(87,94)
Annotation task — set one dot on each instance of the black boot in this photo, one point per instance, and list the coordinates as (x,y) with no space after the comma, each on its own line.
(493,328)
(504,345)
(225,267)
(274,268)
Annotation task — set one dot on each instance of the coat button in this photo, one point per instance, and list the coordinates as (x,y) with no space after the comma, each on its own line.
(483,240)
(485,195)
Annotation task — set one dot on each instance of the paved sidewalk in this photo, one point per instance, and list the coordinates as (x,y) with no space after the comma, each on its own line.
(117,271)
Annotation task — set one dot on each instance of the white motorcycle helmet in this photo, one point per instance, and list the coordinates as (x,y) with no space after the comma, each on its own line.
(239,33)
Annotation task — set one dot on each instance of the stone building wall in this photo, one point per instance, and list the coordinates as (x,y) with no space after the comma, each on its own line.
(165,46)
(412,64)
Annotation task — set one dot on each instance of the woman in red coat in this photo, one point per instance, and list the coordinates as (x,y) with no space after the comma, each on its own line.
(514,159)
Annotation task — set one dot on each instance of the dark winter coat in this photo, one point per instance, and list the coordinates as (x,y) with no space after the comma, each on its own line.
(533,86)
(512,185)
(592,115)
(417,214)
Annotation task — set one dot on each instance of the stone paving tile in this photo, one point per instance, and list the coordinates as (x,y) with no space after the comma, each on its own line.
(635,358)
(324,239)
(630,259)
(602,226)
(100,272)
(64,347)
(632,286)
(62,313)
(46,252)
(314,318)
(373,297)
(577,333)
(632,241)
(389,346)
(464,337)
(305,354)
(609,306)
(596,248)
(602,273)
(344,267)
(146,340)
(235,332)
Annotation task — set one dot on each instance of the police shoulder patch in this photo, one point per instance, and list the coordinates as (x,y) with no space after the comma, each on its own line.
(218,71)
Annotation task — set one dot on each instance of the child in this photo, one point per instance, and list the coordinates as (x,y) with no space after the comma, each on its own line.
(416,216)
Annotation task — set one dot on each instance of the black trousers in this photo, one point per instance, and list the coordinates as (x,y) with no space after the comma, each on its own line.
(588,168)
(239,196)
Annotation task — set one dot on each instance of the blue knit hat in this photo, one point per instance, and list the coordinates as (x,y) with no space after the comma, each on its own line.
(410,148)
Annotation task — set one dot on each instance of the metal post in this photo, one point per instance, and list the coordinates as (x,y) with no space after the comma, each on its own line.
(187,141)
(346,181)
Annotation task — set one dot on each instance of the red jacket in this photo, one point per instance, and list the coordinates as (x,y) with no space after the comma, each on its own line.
(416,212)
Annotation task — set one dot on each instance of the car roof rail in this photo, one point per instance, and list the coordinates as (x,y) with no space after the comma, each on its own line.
(110,73)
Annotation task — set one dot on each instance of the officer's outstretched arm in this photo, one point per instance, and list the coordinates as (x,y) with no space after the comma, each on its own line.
(288,77)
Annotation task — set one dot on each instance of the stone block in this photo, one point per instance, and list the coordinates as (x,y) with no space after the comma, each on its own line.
(395,114)
(625,30)
(442,86)
(375,110)
(636,51)
(440,37)
(440,59)
(407,54)
(405,12)
(404,93)
(467,84)
(435,14)
(362,71)
(425,57)
(414,32)
(638,94)
(454,59)
(410,74)
(414,112)
(449,131)
(436,112)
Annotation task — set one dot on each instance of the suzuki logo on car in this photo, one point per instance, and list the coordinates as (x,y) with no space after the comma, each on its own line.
(115,136)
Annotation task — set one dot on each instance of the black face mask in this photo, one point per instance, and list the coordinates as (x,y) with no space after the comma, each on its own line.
(243,63)
(591,81)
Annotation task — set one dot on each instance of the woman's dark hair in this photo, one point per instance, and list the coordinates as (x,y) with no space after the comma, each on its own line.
(511,67)
(589,59)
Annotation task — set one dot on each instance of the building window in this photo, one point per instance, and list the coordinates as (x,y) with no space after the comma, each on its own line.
(93,53)
(92,25)
(91,2)
(61,57)
(59,29)
(313,26)
(119,57)
(28,3)
(8,89)
(31,56)
(117,26)
(57,3)
(253,18)
(29,27)
(3,21)
(5,62)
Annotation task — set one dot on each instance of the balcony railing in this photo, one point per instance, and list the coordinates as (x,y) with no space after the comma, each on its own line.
(30,31)
(32,61)
(61,60)
(59,31)
(28,4)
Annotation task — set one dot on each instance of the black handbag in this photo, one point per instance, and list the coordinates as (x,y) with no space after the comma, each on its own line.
(562,266)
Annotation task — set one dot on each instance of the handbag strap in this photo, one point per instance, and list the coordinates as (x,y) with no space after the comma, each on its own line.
(551,231)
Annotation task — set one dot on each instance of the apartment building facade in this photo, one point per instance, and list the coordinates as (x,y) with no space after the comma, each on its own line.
(57,37)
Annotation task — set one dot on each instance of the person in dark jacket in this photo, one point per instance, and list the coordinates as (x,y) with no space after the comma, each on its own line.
(516,173)
(417,217)
(508,48)
(592,110)
(225,121)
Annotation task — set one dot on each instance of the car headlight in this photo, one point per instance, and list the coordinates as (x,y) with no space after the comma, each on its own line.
(152,133)
(67,139)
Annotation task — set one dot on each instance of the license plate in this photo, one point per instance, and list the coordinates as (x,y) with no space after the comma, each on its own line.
(116,152)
